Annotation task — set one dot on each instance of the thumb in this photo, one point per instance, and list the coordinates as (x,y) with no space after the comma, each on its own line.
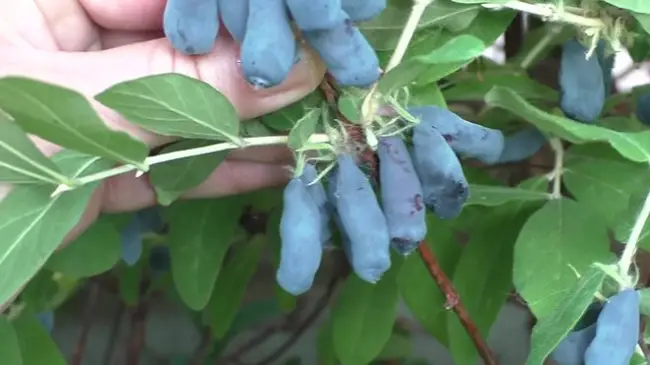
(92,72)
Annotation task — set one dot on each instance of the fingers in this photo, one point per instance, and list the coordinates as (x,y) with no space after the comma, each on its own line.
(126,193)
(126,14)
(93,72)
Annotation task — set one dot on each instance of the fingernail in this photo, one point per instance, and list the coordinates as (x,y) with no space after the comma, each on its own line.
(306,73)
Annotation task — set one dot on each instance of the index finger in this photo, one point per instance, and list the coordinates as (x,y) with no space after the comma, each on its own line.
(126,14)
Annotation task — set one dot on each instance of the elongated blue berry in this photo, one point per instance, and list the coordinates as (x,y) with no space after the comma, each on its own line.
(571,350)
(234,15)
(643,108)
(361,10)
(191,26)
(318,194)
(466,138)
(47,320)
(522,145)
(617,331)
(582,88)
(349,57)
(300,233)
(131,239)
(441,174)
(362,220)
(402,197)
(269,48)
(315,14)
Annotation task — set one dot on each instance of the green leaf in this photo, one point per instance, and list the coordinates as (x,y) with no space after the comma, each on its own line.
(34,224)
(284,119)
(36,345)
(199,236)
(304,128)
(231,284)
(174,105)
(363,317)
(129,284)
(463,48)
(468,86)
(10,349)
(645,301)
(644,22)
(325,345)
(420,292)
(399,346)
(174,178)
(633,146)
(383,31)
(568,307)
(602,181)
(483,278)
(488,26)
(20,161)
(97,250)
(624,223)
(639,6)
(492,196)
(557,239)
(65,117)
(40,292)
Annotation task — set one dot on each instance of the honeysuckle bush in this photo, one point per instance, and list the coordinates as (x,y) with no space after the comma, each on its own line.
(561,229)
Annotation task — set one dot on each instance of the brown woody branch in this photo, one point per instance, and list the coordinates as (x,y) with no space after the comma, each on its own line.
(429,259)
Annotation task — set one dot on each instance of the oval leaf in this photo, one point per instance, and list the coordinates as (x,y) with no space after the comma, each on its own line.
(33,224)
(462,48)
(36,345)
(97,250)
(10,349)
(569,307)
(363,317)
(20,161)
(559,238)
(222,309)
(65,117)
(633,146)
(199,236)
(174,105)
(639,6)
(304,128)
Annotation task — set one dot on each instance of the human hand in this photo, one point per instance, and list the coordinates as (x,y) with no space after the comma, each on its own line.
(89,45)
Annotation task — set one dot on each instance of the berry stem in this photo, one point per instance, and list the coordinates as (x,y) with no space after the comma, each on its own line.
(549,11)
(627,257)
(558,168)
(192,152)
(370,103)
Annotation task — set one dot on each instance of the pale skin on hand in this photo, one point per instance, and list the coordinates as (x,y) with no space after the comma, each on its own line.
(89,45)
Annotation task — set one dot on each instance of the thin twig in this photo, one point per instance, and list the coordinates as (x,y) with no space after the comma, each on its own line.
(204,349)
(89,311)
(304,326)
(252,343)
(137,336)
(115,330)
(453,302)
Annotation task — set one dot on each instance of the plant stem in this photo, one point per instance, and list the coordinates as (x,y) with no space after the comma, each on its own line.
(558,168)
(192,152)
(549,11)
(369,107)
(625,262)
(528,60)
